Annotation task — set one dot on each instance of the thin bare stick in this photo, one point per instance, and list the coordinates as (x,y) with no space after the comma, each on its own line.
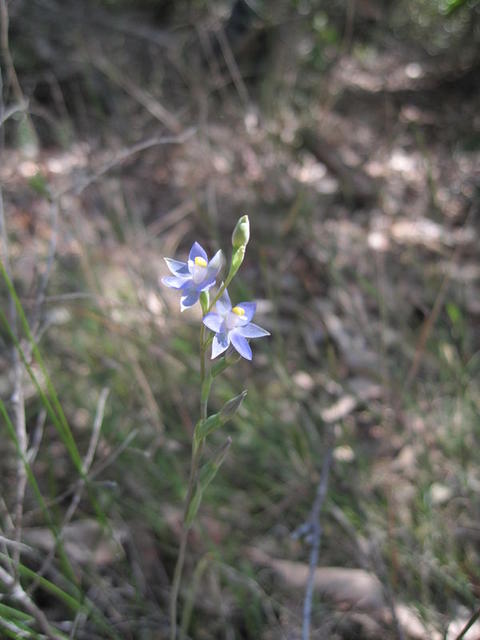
(18,402)
(113,456)
(142,379)
(7,525)
(42,286)
(37,437)
(3,231)
(123,155)
(312,531)
(18,398)
(17,594)
(469,624)
(19,420)
(151,104)
(11,543)
(349,23)
(91,476)
(97,425)
(232,67)
(172,217)
(7,56)
(434,313)
(386,587)
(80,619)
(10,67)
(370,559)
(18,633)
(87,463)
(13,110)
(426,331)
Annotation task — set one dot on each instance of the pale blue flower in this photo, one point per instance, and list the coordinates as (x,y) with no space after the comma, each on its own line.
(233,326)
(194,276)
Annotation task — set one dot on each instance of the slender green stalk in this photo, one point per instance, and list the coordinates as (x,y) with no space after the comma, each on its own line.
(201,478)
(190,599)
(222,289)
(237,259)
(206,383)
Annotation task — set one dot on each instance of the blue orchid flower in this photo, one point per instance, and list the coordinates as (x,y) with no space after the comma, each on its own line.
(194,276)
(233,326)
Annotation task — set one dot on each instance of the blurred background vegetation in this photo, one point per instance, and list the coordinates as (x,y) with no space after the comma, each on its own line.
(349,131)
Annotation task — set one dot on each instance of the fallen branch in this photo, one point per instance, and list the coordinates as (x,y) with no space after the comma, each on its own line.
(151,104)
(469,624)
(20,107)
(22,598)
(87,463)
(124,155)
(311,530)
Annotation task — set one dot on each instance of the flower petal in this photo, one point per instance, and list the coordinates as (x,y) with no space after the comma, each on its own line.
(252,330)
(176,267)
(249,308)
(213,321)
(189,299)
(206,284)
(241,345)
(215,264)
(223,304)
(174,282)
(197,251)
(220,344)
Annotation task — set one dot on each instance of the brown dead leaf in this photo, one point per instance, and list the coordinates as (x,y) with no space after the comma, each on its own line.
(349,589)
(346,587)
(84,540)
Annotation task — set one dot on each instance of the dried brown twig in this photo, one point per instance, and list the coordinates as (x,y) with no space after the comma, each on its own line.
(11,580)
(18,594)
(17,399)
(97,471)
(311,530)
(151,104)
(80,185)
(432,317)
(11,73)
(232,67)
(80,485)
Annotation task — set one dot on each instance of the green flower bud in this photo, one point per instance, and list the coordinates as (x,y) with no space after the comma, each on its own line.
(205,427)
(237,259)
(241,233)
(231,407)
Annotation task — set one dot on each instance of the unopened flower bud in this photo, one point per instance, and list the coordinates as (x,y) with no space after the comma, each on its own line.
(205,427)
(231,407)
(241,233)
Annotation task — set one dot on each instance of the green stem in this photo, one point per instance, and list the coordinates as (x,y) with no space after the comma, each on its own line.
(188,608)
(231,274)
(177,576)
(206,383)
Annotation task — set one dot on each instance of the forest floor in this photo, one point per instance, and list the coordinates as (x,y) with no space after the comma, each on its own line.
(363,200)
